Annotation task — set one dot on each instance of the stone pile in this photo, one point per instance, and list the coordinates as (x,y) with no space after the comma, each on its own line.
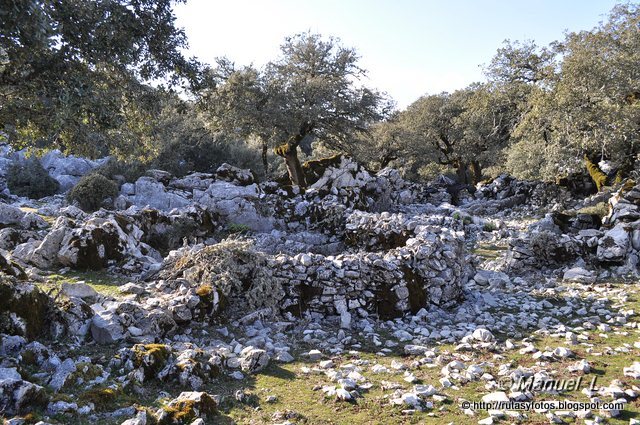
(505,194)
(427,267)
(231,193)
(621,242)
(342,187)
(382,231)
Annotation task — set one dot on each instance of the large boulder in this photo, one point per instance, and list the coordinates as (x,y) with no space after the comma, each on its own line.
(187,407)
(235,175)
(67,170)
(11,268)
(614,245)
(106,327)
(580,275)
(97,243)
(13,216)
(253,360)
(18,396)
(150,192)
(10,215)
(45,255)
(237,204)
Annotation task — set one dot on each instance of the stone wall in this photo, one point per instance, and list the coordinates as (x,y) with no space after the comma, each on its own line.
(427,269)
(426,265)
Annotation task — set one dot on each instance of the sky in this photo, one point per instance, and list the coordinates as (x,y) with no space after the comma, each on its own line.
(409,47)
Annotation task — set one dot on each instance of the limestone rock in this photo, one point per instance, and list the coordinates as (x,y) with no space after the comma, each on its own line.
(19,397)
(580,275)
(187,407)
(106,328)
(253,360)
(613,246)
(79,290)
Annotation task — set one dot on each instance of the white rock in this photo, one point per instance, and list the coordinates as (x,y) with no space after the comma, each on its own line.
(78,290)
(580,275)
(483,335)
(343,395)
(314,355)
(498,396)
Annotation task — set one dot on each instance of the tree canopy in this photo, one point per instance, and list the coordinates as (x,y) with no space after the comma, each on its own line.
(73,74)
(109,77)
(312,92)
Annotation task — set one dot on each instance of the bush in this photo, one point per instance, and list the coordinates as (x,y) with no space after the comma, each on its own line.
(30,179)
(130,170)
(489,226)
(92,191)
(206,155)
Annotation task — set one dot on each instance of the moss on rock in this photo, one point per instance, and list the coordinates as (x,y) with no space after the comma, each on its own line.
(151,357)
(25,309)
(187,407)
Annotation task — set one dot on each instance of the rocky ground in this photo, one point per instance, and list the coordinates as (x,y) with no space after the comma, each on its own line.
(366,299)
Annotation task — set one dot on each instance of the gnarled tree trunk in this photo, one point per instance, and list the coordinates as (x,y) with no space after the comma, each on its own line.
(476,172)
(289,151)
(462,171)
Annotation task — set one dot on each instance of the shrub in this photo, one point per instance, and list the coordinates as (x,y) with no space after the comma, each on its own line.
(206,155)
(92,191)
(489,226)
(130,170)
(30,179)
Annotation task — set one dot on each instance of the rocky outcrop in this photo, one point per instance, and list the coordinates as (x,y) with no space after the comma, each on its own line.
(621,242)
(68,170)
(132,239)
(18,396)
(231,193)
(13,216)
(27,311)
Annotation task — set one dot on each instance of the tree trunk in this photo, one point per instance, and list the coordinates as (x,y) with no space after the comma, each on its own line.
(265,161)
(289,151)
(386,158)
(476,172)
(462,172)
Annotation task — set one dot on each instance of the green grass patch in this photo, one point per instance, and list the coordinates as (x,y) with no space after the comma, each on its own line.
(103,282)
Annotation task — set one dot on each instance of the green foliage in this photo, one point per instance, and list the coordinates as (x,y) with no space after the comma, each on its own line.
(542,108)
(30,179)
(462,217)
(466,131)
(206,154)
(589,102)
(236,228)
(92,191)
(116,169)
(74,72)
(306,95)
(489,226)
